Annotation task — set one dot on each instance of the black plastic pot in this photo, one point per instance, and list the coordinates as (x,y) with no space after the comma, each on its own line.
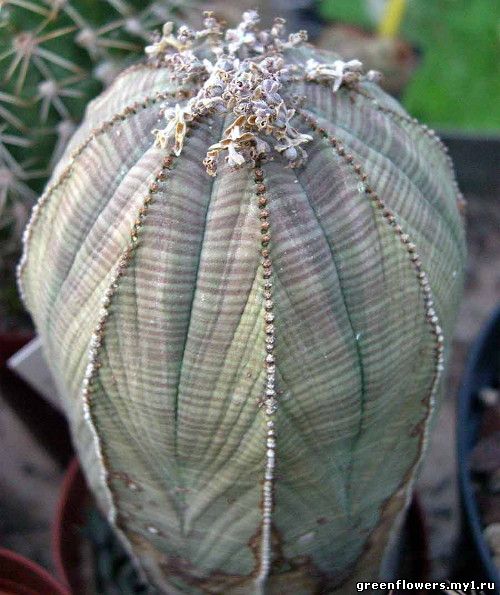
(481,372)
(475,156)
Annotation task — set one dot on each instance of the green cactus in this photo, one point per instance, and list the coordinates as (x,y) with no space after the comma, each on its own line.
(245,273)
(55,56)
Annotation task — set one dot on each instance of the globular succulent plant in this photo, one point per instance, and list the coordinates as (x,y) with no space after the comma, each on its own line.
(245,273)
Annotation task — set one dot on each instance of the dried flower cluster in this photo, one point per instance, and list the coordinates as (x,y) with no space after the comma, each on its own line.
(339,73)
(246,77)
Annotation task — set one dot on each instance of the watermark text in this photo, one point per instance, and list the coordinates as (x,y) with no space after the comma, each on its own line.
(460,588)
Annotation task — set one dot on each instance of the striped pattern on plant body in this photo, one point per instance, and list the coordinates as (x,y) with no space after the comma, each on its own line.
(266,345)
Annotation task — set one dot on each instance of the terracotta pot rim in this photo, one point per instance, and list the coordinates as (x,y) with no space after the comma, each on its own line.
(27,566)
(66,495)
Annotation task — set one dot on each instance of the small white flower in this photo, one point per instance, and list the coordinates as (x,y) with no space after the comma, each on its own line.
(172,136)
(374,76)
(168,40)
(290,146)
(338,72)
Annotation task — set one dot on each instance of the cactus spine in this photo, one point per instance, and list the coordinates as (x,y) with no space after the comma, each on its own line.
(55,56)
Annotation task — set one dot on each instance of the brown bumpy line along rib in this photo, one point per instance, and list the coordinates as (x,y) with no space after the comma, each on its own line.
(416,263)
(268,402)
(424,129)
(97,338)
(121,116)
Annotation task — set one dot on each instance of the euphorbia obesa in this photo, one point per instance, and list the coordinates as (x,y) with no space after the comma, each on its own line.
(245,273)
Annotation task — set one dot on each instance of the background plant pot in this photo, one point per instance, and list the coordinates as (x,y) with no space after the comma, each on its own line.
(67,549)
(20,576)
(481,372)
(87,555)
(475,156)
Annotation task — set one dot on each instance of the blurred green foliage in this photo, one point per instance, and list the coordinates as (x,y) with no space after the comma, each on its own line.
(458,82)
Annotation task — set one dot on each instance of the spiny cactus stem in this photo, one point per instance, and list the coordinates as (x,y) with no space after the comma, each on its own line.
(127,112)
(416,263)
(44,12)
(26,47)
(268,403)
(96,342)
(8,116)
